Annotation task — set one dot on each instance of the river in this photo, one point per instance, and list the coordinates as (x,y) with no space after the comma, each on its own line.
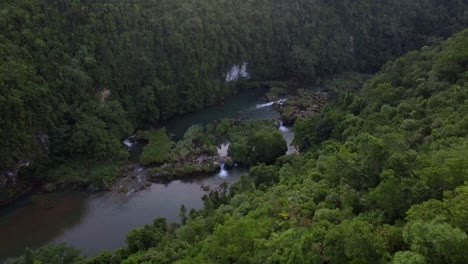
(93,222)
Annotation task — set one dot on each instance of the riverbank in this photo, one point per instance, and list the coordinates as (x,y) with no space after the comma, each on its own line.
(132,194)
(96,221)
(119,175)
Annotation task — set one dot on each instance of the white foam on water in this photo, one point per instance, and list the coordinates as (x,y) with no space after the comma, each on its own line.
(223,173)
(130,141)
(265,105)
(280,102)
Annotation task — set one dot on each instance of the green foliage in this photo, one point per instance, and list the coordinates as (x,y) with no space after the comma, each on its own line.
(353,242)
(159,148)
(104,256)
(263,174)
(408,257)
(373,157)
(146,237)
(90,134)
(101,175)
(86,73)
(267,146)
(53,254)
(232,240)
(255,142)
(397,143)
(445,167)
(439,242)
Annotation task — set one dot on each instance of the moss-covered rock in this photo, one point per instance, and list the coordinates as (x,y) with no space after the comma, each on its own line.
(229,162)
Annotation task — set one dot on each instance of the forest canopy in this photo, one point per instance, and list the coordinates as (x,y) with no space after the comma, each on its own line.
(382,175)
(385,182)
(77,77)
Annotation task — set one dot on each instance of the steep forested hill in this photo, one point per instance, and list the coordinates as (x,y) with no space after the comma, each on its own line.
(78,76)
(383,179)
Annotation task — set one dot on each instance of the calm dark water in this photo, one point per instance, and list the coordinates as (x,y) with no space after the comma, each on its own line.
(93,222)
(242,105)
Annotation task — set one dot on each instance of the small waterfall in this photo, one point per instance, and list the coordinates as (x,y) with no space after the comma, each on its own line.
(282,128)
(223,172)
(237,72)
(280,102)
(24,164)
(265,105)
(222,155)
(130,141)
(139,171)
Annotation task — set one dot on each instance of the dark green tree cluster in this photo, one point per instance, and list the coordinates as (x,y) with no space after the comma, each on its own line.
(254,142)
(78,76)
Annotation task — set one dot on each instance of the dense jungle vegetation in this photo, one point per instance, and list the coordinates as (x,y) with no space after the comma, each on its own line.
(383,178)
(77,77)
(382,175)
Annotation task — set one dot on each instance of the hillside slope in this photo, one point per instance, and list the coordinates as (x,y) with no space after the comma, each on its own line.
(383,179)
(77,77)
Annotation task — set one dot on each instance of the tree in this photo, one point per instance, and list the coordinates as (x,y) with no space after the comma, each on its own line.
(264,175)
(439,242)
(354,242)
(267,146)
(53,254)
(408,257)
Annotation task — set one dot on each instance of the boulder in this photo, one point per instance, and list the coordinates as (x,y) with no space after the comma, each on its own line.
(229,162)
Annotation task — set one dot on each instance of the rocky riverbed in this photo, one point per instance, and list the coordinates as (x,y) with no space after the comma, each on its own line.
(305,104)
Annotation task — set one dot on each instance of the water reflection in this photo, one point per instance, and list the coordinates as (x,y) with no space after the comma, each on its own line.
(241,105)
(37,220)
(98,221)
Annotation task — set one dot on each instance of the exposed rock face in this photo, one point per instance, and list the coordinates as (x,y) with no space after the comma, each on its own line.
(134,179)
(237,72)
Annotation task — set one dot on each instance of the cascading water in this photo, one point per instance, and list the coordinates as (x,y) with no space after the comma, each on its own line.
(223,172)
(130,141)
(222,155)
(282,128)
(265,105)
(237,72)
(280,102)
